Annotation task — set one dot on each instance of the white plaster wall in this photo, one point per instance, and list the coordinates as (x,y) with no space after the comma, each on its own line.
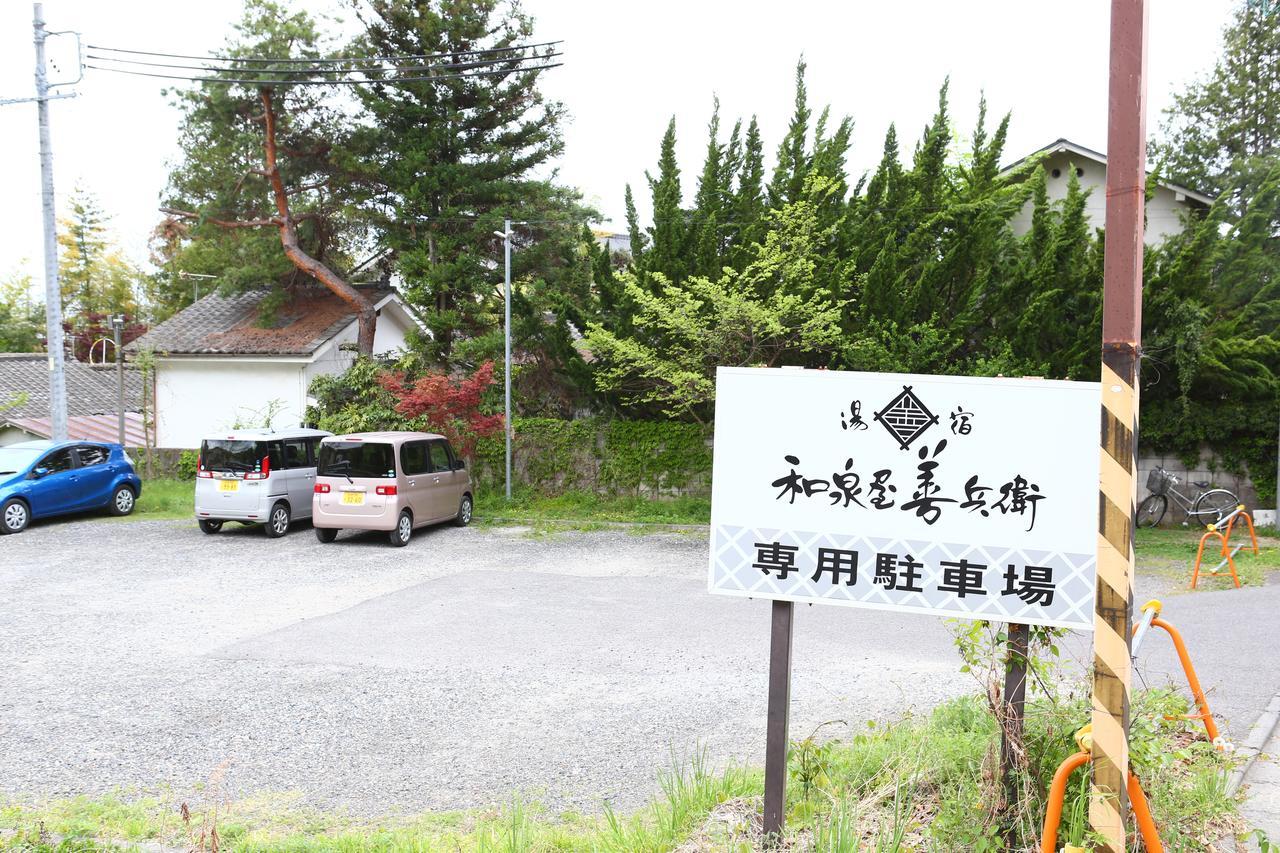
(13,435)
(393,326)
(196,397)
(1164,211)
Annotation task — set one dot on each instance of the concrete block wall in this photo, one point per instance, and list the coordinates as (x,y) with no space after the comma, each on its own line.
(1208,468)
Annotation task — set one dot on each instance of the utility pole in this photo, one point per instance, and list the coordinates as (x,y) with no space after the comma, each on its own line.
(52,292)
(506,369)
(117,327)
(1121,348)
(505,234)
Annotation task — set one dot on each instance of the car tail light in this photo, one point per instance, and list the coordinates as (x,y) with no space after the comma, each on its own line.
(385,490)
(322,488)
(264,473)
(200,472)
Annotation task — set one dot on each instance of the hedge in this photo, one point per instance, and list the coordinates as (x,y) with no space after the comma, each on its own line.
(553,456)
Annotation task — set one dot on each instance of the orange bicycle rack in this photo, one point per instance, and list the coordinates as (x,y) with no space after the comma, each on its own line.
(1058,792)
(1151,616)
(1137,797)
(1222,531)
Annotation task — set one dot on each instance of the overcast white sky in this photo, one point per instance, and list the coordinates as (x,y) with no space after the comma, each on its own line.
(624,76)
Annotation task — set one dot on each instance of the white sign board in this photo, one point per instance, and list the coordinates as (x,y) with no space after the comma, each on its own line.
(947,495)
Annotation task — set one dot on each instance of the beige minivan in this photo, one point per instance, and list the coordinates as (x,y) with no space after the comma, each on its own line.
(392,481)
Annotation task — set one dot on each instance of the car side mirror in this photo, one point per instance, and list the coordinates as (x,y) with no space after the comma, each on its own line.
(459,465)
(39,472)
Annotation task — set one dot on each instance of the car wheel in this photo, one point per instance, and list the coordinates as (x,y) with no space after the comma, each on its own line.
(464,512)
(278,521)
(14,516)
(326,534)
(122,501)
(404,529)
(210,527)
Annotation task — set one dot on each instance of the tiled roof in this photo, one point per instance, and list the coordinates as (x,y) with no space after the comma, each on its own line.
(227,325)
(90,391)
(88,427)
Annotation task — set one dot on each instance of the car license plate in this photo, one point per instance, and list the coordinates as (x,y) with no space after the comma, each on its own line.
(228,485)
(353,498)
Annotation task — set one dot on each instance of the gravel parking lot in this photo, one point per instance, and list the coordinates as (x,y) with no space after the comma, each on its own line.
(468,666)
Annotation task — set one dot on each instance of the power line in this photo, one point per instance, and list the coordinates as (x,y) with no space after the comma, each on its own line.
(372,80)
(220,70)
(267,59)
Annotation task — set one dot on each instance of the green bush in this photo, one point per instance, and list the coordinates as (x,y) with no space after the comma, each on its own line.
(552,456)
(187,462)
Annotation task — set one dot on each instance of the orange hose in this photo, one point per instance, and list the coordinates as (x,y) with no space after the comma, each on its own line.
(1142,812)
(1057,793)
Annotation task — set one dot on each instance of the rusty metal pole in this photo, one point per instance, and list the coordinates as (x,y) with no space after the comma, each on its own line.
(1121,346)
(775,750)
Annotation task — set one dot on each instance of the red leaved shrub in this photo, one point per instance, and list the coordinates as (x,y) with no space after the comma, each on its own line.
(446,405)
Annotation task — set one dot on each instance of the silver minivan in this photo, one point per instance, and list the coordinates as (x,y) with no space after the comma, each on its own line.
(256,476)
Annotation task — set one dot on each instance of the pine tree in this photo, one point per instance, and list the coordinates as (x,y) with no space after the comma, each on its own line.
(450,159)
(1223,132)
(747,207)
(637,238)
(96,278)
(787,184)
(669,234)
(708,204)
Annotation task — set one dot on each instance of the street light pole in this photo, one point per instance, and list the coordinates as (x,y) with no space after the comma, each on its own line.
(506,371)
(52,292)
(117,327)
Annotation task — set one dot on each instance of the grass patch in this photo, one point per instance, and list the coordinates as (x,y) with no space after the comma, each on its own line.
(919,783)
(1171,552)
(577,507)
(165,500)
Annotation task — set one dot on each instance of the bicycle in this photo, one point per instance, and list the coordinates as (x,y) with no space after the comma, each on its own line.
(1209,506)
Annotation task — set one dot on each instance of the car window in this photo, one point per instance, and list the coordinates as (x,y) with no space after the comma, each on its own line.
(295,453)
(59,460)
(92,454)
(413,458)
(357,459)
(234,455)
(440,460)
(313,450)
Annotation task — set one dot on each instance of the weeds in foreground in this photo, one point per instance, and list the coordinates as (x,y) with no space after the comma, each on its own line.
(916,784)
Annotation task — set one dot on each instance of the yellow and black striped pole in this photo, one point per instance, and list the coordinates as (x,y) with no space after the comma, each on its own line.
(1121,345)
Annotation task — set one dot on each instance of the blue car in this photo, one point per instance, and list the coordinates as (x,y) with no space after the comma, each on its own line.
(39,479)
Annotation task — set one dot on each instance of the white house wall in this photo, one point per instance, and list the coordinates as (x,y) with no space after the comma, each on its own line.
(13,435)
(338,354)
(197,396)
(1164,211)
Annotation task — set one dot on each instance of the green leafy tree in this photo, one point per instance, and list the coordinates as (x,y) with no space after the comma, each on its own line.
(760,317)
(21,315)
(93,273)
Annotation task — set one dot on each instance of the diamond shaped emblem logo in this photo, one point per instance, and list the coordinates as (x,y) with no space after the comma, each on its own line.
(906,417)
